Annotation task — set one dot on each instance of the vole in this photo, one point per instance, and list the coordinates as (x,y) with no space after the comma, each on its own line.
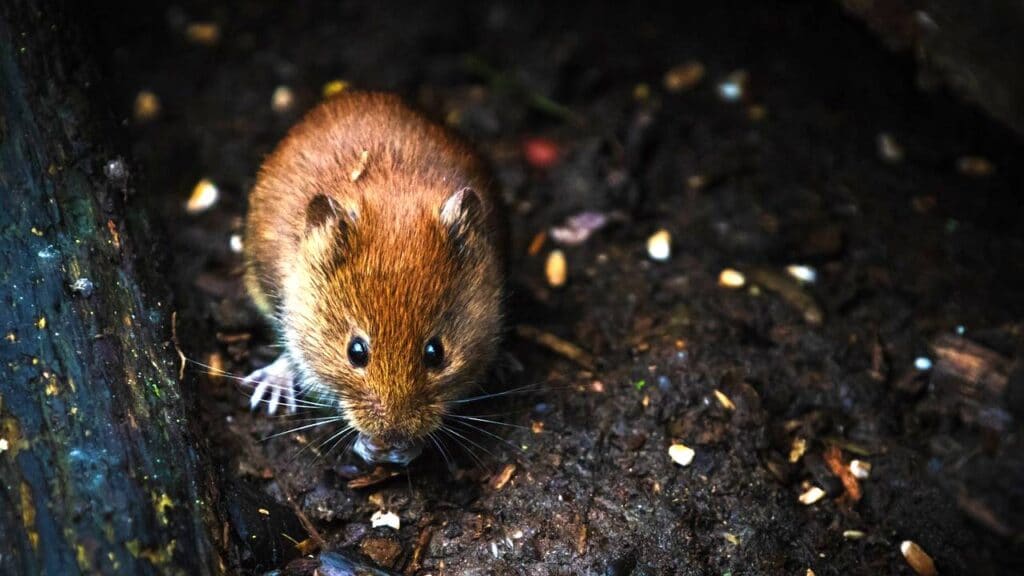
(374,245)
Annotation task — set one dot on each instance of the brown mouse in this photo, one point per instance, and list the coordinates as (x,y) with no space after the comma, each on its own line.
(375,246)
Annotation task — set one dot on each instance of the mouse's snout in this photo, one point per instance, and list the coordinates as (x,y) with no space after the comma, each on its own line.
(376,451)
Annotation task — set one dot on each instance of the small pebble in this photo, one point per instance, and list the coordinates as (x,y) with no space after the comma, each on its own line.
(334,87)
(889,149)
(811,495)
(684,76)
(975,166)
(556,269)
(681,454)
(734,87)
(382,518)
(802,273)
(83,286)
(923,363)
(116,170)
(282,99)
(918,559)
(860,469)
(147,106)
(204,195)
(731,278)
(659,245)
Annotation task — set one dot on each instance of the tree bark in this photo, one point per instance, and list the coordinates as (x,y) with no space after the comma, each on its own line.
(98,470)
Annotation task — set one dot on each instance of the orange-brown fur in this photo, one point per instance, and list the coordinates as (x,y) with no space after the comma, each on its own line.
(383,265)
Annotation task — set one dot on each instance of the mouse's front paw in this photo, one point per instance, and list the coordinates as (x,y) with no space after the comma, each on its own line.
(274,385)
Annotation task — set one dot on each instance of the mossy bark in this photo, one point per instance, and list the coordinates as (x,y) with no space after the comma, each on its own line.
(98,470)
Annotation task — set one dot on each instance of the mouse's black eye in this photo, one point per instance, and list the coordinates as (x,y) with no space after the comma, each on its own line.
(433,353)
(358,352)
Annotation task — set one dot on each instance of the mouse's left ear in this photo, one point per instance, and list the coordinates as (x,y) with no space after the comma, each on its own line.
(462,212)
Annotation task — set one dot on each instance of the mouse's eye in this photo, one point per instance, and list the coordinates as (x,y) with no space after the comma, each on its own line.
(358,352)
(433,353)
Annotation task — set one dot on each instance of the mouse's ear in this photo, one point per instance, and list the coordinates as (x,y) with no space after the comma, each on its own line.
(323,211)
(461,212)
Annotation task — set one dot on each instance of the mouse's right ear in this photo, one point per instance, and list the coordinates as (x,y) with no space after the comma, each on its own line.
(323,211)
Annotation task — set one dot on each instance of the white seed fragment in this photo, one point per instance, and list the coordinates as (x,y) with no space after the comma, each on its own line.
(923,363)
(681,454)
(853,534)
(802,273)
(556,269)
(860,469)
(734,87)
(889,149)
(811,495)
(236,243)
(659,245)
(4,445)
(918,559)
(282,99)
(204,195)
(382,518)
(731,278)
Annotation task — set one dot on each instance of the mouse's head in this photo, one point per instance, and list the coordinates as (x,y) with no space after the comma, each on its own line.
(394,311)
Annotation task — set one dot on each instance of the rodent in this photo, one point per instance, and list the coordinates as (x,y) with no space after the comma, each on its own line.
(374,245)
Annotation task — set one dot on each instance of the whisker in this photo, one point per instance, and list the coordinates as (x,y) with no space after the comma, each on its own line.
(319,422)
(441,450)
(520,390)
(486,421)
(515,449)
(451,431)
(339,441)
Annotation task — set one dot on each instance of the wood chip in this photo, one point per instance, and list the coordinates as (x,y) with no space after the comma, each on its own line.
(834,459)
(499,480)
(378,475)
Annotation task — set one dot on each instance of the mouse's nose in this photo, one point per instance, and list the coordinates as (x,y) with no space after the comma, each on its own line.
(376,451)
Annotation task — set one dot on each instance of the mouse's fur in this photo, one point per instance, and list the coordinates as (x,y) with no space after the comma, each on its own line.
(368,220)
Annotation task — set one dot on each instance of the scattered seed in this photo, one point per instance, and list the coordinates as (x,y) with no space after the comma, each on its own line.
(918,559)
(923,363)
(724,400)
(731,278)
(382,518)
(811,495)
(684,77)
(734,87)
(4,445)
(853,534)
(236,244)
(147,106)
(731,538)
(641,92)
(802,273)
(696,181)
(555,269)
(282,99)
(860,469)
(796,451)
(41,323)
(889,149)
(204,195)
(681,454)
(334,87)
(263,511)
(659,245)
(203,33)
(975,166)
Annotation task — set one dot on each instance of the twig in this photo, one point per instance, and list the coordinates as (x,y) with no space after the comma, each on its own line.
(557,345)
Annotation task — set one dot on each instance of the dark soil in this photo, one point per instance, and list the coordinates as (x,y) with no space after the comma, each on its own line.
(908,255)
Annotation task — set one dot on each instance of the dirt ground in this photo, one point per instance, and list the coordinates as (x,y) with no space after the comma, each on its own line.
(903,353)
